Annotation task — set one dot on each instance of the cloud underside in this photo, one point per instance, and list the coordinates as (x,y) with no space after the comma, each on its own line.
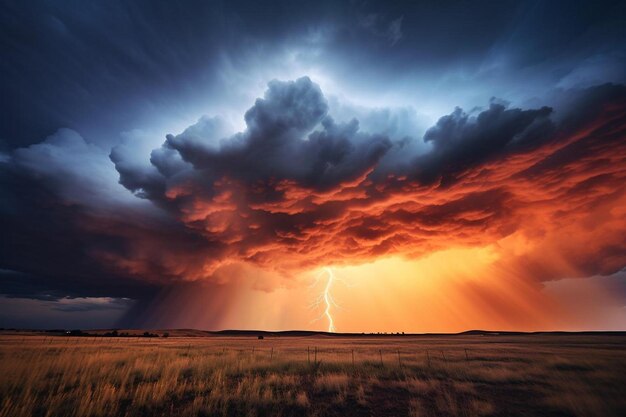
(297,190)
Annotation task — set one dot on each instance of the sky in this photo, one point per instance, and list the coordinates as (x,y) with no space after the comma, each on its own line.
(349,166)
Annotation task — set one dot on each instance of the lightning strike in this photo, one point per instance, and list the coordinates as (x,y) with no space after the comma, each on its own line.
(326,299)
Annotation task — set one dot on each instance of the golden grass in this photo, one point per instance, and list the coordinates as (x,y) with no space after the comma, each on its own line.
(333,382)
(242,376)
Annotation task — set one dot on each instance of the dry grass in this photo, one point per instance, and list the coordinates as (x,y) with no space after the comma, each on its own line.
(555,375)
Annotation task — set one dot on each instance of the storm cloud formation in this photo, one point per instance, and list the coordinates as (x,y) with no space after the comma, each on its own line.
(325,134)
(460,141)
(275,146)
(297,190)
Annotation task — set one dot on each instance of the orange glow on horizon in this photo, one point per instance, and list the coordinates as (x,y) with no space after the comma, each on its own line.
(448,291)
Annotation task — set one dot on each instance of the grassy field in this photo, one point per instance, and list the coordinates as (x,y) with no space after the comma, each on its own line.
(529,375)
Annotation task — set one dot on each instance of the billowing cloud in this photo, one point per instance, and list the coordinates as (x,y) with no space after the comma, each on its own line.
(461,141)
(64,215)
(273,146)
(297,190)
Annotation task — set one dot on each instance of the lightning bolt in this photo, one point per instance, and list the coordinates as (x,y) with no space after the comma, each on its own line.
(326,298)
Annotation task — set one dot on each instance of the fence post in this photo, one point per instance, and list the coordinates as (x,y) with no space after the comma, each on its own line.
(399,361)
(428,357)
(466,356)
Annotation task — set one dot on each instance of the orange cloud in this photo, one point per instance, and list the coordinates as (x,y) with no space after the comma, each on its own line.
(487,229)
(565,197)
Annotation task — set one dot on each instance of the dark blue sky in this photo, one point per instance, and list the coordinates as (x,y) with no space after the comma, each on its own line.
(89,89)
(103,68)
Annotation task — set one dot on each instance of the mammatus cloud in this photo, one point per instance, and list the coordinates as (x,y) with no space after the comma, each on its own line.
(297,190)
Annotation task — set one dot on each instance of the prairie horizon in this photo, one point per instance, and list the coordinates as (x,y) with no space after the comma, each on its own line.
(183,332)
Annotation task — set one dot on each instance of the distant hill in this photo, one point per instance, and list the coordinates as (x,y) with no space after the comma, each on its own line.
(306,333)
(289,333)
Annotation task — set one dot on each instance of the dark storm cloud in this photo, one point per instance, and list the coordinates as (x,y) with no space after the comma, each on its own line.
(293,171)
(46,253)
(64,221)
(577,106)
(272,147)
(461,141)
(67,231)
(290,136)
(86,305)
